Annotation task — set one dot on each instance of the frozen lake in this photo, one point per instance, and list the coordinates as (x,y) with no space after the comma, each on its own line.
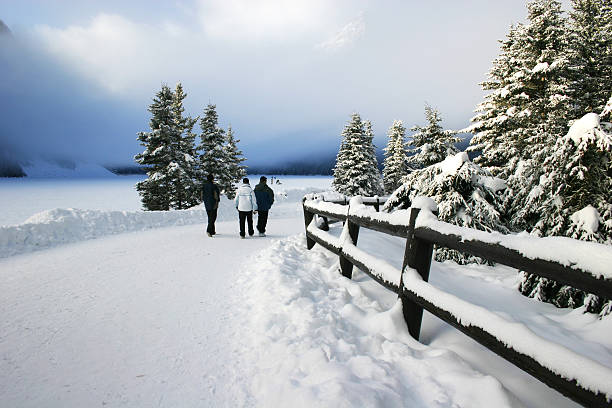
(24,197)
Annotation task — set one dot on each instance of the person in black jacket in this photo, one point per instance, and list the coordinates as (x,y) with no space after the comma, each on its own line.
(265,199)
(211,198)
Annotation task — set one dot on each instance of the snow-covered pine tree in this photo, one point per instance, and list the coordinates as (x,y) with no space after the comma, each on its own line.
(527,109)
(466,194)
(607,110)
(356,170)
(574,199)
(395,157)
(235,170)
(500,114)
(543,79)
(212,158)
(185,186)
(371,161)
(157,158)
(590,55)
(431,143)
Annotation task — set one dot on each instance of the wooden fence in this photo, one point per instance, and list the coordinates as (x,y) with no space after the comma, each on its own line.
(522,348)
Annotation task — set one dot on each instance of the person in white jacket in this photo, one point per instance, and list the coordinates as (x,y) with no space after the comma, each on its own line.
(246,204)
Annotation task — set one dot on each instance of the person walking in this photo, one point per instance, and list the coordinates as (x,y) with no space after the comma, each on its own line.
(211,198)
(265,199)
(246,204)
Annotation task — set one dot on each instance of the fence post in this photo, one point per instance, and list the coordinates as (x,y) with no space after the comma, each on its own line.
(325,225)
(346,267)
(417,255)
(308,216)
(377,205)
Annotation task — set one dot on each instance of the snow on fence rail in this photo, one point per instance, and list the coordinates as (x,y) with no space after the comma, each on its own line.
(581,264)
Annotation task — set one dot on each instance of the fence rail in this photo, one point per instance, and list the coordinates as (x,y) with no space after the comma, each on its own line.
(422,231)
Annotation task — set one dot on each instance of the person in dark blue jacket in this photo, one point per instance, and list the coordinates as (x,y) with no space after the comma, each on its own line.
(211,198)
(265,199)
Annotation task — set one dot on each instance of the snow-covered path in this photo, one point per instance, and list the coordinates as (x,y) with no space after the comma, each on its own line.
(169,317)
(138,319)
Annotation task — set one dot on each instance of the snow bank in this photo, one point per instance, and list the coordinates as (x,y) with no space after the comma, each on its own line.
(322,341)
(60,226)
(571,365)
(588,373)
(64,225)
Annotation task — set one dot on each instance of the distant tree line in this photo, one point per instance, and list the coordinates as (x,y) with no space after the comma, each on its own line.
(175,165)
(543,138)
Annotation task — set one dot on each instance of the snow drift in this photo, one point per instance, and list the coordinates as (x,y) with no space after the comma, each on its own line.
(64,225)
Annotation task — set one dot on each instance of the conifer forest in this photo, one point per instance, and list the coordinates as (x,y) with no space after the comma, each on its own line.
(542,144)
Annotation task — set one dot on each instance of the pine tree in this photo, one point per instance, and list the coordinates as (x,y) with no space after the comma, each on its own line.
(212,158)
(356,170)
(607,110)
(542,81)
(431,143)
(371,162)
(234,169)
(500,114)
(590,55)
(527,108)
(574,199)
(157,157)
(466,194)
(185,188)
(395,157)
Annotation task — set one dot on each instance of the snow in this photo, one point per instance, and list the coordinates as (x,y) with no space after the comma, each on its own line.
(586,219)
(494,184)
(583,128)
(588,256)
(380,268)
(588,373)
(138,319)
(63,225)
(452,164)
(339,347)
(424,203)
(164,316)
(60,226)
(22,198)
(540,67)
(327,207)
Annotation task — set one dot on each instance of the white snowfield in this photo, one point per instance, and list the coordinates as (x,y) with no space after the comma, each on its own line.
(154,313)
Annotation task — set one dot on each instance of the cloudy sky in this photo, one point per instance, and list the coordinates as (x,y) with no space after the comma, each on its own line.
(79,75)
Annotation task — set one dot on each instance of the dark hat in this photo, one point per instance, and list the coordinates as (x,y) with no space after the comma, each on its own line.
(245,180)
(263,178)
